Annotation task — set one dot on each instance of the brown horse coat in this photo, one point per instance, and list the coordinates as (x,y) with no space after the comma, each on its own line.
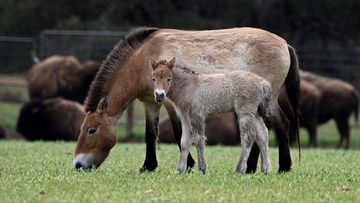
(61,76)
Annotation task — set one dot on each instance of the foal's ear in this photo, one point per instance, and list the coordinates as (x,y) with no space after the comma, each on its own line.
(171,63)
(153,64)
(103,103)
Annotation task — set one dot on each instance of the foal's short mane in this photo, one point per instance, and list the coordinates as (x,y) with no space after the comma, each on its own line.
(114,59)
(187,70)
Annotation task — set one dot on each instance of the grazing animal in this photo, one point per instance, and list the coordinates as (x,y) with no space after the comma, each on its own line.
(338,100)
(61,76)
(222,129)
(124,76)
(196,97)
(50,119)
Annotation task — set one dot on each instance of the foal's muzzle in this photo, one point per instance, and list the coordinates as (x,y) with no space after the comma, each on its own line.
(159,95)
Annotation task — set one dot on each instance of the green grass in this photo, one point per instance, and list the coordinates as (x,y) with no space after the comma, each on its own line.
(41,172)
(9,113)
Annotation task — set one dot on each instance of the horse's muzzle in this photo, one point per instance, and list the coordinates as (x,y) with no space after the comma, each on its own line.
(159,96)
(83,162)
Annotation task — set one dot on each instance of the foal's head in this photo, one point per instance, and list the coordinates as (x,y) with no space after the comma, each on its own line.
(97,137)
(162,77)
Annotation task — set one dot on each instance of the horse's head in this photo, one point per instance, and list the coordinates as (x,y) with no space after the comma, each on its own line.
(97,137)
(162,76)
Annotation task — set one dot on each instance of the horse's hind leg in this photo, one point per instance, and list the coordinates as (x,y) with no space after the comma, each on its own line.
(247,134)
(281,125)
(176,124)
(262,140)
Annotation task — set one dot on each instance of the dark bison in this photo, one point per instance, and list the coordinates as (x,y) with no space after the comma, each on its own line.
(61,76)
(328,98)
(50,119)
(222,129)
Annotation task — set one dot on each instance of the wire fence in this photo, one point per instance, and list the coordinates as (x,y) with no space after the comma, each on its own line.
(337,59)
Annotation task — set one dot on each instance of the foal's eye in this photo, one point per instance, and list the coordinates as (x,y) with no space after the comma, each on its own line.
(168,79)
(153,79)
(91,131)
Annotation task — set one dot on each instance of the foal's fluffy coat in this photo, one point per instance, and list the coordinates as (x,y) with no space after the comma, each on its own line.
(198,96)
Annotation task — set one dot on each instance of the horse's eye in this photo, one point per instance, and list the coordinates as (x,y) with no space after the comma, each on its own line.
(168,79)
(92,130)
(153,79)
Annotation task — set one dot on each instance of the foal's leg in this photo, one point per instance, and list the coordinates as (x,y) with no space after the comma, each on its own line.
(247,134)
(262,140)
(198,133)
(151,134)
(176,124)
(185,145)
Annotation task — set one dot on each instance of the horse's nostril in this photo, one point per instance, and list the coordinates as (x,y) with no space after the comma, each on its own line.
(78,165)
(160,95)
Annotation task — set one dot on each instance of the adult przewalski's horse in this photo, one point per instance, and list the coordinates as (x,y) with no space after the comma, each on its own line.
(125,76)
(196,97)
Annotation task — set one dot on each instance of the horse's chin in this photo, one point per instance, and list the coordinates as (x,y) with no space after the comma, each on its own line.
(159,100)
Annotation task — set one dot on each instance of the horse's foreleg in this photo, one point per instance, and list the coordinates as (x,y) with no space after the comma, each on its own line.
(176,124)
(151,134)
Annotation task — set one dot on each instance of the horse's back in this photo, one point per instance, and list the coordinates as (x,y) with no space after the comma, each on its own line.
(219,51)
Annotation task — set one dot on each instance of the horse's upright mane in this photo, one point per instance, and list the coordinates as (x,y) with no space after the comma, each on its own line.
(113,60)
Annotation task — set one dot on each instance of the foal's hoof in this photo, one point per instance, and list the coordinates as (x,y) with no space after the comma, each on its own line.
(181,169)
(203,169)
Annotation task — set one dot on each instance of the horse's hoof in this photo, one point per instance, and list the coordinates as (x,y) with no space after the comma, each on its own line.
(148,167)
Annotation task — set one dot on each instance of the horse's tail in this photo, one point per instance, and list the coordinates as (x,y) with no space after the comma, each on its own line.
(292,86)
(263,108)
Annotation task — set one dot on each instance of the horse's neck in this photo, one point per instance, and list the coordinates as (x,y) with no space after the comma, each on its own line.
(122,91)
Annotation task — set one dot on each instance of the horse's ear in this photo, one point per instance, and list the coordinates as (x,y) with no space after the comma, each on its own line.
(153,64)
(103,103)
(171,63)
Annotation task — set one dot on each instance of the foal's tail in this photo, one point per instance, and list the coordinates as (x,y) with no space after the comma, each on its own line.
(292,86)
(263,108)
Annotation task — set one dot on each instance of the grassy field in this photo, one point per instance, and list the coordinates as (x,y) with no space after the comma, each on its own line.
(41,172)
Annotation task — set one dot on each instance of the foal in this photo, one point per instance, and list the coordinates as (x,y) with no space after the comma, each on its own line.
(196,96)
